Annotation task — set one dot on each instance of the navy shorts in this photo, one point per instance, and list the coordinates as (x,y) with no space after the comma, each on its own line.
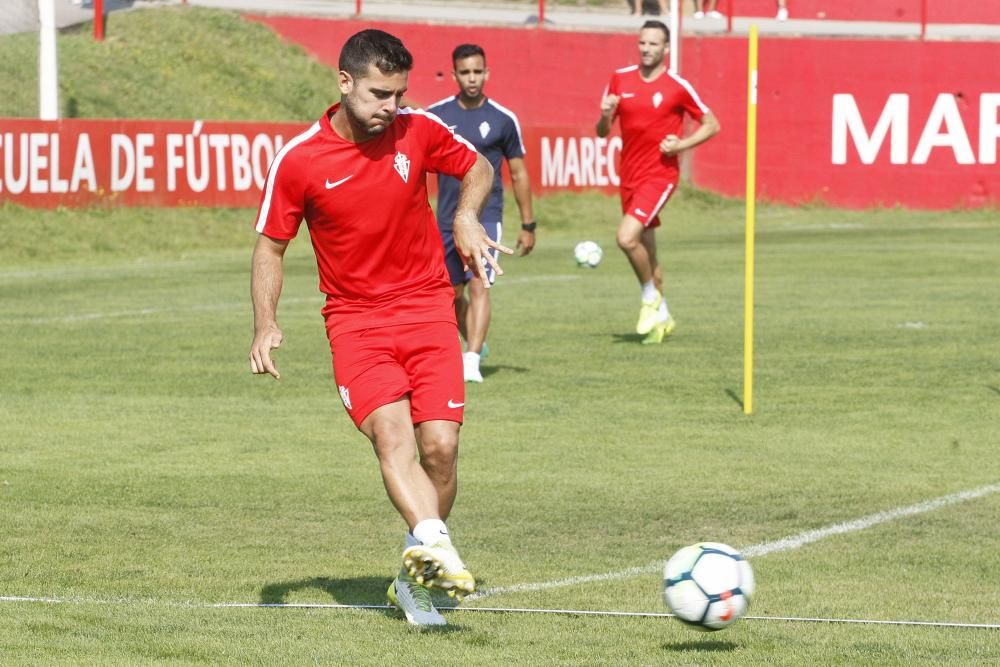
(456,267)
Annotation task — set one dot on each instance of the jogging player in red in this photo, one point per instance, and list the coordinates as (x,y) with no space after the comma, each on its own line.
(650,104)
(358,179)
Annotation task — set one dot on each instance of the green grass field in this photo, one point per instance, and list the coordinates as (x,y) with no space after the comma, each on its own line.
(146,477)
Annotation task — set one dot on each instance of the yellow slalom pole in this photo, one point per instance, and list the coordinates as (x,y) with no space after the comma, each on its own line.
(751,214)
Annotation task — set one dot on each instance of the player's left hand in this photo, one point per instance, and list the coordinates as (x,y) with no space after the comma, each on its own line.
(671,145)
(525,242)
(474,245)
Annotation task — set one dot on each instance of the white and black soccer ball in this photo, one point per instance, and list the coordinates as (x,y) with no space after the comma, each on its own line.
(588,254)
(707,585)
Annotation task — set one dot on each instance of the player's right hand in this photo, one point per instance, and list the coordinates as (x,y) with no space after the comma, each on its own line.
(473,245)
(264,341)
(608,105)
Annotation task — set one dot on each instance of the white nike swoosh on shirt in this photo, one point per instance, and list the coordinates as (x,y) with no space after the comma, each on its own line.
(330,185)
(453,404)
(624,95)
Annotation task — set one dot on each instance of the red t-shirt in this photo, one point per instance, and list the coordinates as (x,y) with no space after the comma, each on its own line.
(377,245)
(648,111)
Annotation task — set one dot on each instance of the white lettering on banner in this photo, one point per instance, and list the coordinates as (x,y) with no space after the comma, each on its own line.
(137,160)
(174,160)
(25,163)
(601,158)
(15,185)
(846,116)
(945,111)
(579,161)
(144,162)
(37,162)
(262,151)
(219,142)
(33,162)
(122,152)
(242,175)
(198,182)
(944,129)
(989,127)
(56,184)
(248,160)
(83,165)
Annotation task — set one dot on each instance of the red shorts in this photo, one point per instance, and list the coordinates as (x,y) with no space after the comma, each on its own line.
(644,201)
(375,367)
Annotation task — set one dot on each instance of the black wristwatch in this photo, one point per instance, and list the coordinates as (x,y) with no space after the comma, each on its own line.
(529,226)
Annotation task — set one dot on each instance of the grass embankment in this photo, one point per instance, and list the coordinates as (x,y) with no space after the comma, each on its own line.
(173,63)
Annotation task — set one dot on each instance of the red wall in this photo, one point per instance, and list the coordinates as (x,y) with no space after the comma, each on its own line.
(938,11)
(553,81)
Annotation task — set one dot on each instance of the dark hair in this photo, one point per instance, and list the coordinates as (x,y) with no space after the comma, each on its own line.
(467,51)
(658,25)
(374,47)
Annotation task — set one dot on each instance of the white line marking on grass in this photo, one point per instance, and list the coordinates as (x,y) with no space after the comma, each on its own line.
(825,227)
(630,614)
(758,550)
(653,614)
(58,273)
(553,278)
(500,610)
(78,318)
(143,312)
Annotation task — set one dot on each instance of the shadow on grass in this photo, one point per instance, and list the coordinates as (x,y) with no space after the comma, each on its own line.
(731,393)
(707,646)
(356,591)
(631,338)
(995,389)
(359,590)
(501,368)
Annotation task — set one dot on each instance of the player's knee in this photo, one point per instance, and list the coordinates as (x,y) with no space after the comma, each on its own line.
(439,451)
(391,438)
(627,241)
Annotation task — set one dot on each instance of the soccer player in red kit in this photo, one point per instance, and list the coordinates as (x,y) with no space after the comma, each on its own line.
(358,179)
(650,104)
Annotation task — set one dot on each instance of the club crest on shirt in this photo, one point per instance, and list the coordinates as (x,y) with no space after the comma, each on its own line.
(484,129)
(657,99)
(402,165)
(345,396)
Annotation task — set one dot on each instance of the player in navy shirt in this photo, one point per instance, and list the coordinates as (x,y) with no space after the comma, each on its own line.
(496,134)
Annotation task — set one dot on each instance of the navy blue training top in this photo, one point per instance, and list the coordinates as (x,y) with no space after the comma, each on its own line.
(496,134)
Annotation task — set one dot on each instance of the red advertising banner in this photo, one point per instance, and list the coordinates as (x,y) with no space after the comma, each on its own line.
(72,163)
(854,123)
(137,163)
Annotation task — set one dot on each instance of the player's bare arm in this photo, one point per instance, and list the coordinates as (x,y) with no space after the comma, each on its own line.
(266,277)
(673,145)
(471,240)
(522,194)
(608,106)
